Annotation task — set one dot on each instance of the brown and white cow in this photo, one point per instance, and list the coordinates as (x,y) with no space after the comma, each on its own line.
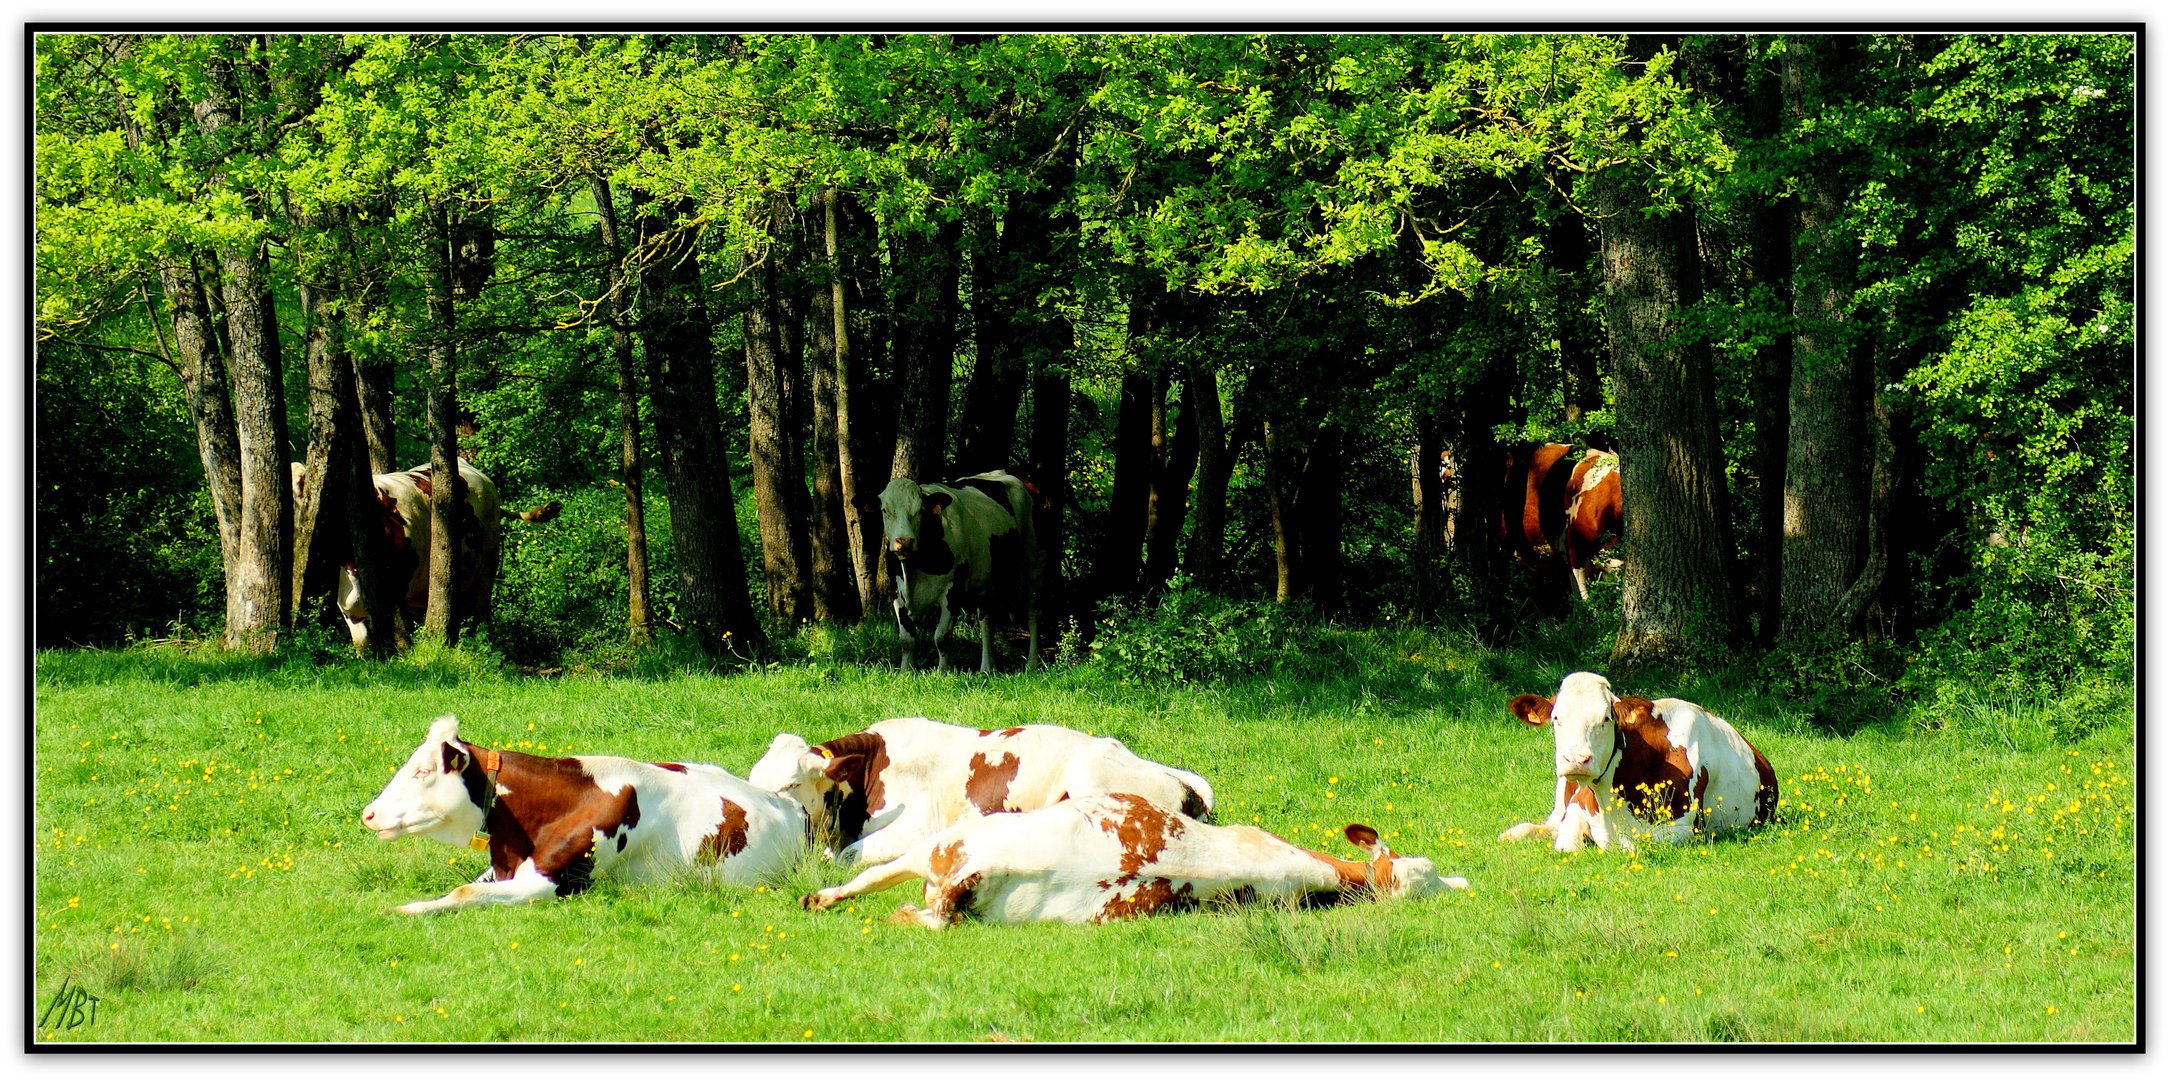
(552,824)
(966,546)
(1668,762)
(404,519)
(1557,508)
(1105,857)
(874,793)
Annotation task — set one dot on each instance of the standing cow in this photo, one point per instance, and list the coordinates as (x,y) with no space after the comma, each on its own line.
(403,516)
(1557,508)
(1669,762)
(961,547)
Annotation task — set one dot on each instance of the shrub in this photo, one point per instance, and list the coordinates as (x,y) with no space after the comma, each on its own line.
(561,592)
(1188,635)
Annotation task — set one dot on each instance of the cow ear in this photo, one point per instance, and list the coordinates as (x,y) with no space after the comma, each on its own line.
(455,759)
(1531,709)
(1364,836)
(842,768)
(937,501)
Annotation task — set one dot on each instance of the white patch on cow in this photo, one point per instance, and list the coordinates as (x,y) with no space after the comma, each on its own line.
(526,884)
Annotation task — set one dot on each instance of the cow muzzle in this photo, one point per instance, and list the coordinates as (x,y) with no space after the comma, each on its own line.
(1577,768)
(901,547)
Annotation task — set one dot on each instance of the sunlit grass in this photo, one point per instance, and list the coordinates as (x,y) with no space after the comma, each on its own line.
(200,868)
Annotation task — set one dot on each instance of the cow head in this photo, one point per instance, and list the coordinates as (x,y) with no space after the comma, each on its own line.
(1584,730)
(1398,875)
(908,511)
(819,781)
(433,794)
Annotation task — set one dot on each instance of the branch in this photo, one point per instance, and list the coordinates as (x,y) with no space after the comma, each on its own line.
(47,335)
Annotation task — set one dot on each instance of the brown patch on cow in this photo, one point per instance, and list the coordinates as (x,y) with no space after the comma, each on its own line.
(1151,896)
(953,901)
(1143,830)
(1582,795)
(987,783)
(550,813)
(1652,775)
(421,480)
(729,838)
(1004,733)
(857,762)
(671,765)
(946,860)
(1350,876)
(1766,789)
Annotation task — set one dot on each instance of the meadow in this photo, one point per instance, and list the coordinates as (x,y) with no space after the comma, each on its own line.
(1964,876)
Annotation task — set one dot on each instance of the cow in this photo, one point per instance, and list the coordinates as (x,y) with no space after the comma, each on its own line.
(878,791)
(1557,508)
(552,824)
(961,547)
(403,517)
(1107,857)
(1669,762)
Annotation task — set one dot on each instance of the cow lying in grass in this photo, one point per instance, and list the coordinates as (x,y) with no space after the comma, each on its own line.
(1667,761)
(1090,860)
(874,793)
(554,823)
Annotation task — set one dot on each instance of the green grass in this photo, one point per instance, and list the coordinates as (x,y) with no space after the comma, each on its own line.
(200,868)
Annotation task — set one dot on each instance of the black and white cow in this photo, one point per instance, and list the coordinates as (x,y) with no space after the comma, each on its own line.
(966,546)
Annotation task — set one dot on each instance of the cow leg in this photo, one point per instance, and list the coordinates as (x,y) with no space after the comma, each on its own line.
(1032,635)
(941,634)
(1608,829)
(1675,831)
(1581,588)
(1528,829)
(873,879)
(907,634)
(526,884)
(908,914)
(987,645)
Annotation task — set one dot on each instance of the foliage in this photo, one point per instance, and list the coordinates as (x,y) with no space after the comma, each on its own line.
(1189,636)
(561,596)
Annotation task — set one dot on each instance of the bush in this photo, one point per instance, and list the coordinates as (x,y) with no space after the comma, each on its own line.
(1188,635)
(561,592)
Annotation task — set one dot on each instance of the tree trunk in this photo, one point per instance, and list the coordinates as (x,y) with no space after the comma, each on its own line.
(1216,462)
(321,541)
(1281,476)
(1175,458)
(210,400)
(1771,265)
(848,240)
(713,601)
(774,431)
(1675,589)
(1116,566)
(925,336)
(1050,445)
(639,621)
(1827,458)
(1582,342)
(829,546)
(447,495)
(1319,512)
(1424,487)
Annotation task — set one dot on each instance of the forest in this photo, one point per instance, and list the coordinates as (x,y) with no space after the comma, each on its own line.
(1256,315)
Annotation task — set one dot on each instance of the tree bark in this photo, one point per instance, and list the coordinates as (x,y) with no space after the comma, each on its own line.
(1117,563)
(1771,266)
(321,541)
(1175,459)
(258,579)
(1050,445)
(447,495)
(774,430)
(829,546)
(716,610)
(1281,476)
(1424,488)
(639,620)
(848,240)
(925,336)
(1216,462)
(1319,512)
(1827,454)
(1675,589)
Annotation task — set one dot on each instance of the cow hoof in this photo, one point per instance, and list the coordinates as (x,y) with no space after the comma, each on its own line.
(814,901)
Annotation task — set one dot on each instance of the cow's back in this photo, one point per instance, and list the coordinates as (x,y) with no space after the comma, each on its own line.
(1732,772)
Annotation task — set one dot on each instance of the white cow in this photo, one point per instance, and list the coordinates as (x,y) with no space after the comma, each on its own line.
(1669,762)
(967,546)
(553,823)
(1106,857)
(874,793)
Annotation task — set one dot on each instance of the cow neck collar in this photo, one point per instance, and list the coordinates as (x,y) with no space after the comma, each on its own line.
(491,762)
(1619,746)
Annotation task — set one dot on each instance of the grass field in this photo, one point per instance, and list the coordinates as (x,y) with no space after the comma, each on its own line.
(200,869)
